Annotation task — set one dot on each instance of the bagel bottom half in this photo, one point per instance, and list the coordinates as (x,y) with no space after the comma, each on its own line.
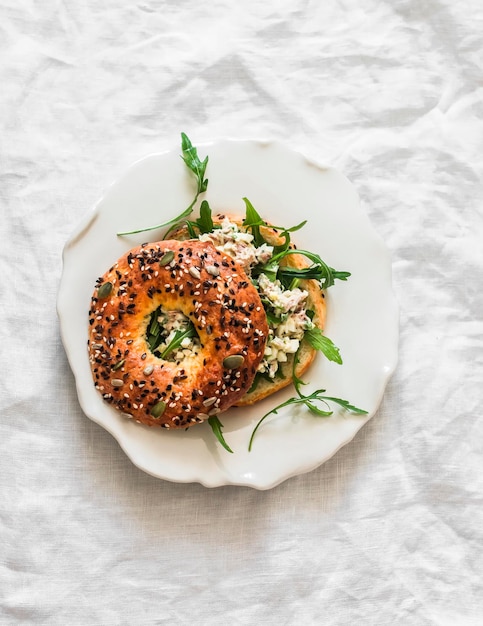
(306,354)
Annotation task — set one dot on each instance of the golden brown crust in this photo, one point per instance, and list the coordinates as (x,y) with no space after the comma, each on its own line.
(316,302)
(227,314)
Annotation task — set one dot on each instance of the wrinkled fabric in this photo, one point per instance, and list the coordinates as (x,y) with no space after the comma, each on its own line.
(390,530)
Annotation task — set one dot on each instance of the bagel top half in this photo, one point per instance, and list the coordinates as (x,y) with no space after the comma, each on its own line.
(210,289)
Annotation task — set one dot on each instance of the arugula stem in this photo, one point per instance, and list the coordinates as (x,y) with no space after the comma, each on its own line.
(192,161)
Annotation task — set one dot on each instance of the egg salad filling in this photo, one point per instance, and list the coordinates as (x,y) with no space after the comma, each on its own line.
(287,324)
(286,308)
(238,245)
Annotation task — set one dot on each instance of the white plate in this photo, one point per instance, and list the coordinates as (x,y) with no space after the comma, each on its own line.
(285,188)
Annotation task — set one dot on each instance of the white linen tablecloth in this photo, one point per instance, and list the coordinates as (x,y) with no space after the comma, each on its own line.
(390,530)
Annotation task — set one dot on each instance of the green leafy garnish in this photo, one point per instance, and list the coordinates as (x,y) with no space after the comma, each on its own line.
(153,333)
(192,161)
(253,221)
(309,400)
(216,427)
(190,157)
(205,221)
(155,337)
(319,270)
(320,342)
(175,343)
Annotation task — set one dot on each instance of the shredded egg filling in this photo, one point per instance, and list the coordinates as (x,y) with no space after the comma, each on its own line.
(287,305)
(238,245)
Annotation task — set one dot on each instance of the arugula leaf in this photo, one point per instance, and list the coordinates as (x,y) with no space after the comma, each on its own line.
(175,343)
(345,404)
(286,235)
(319,270)
(191,229)
(340,275)
(272,319)
(315,396)
(190,157)
(323,344)
(216,427)
(174,221)
(300,398)
(297,382)
(253,221)
(192,161)
(154,330)
(205,222)
(259,376)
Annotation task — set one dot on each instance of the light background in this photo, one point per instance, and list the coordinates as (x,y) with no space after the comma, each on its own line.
(389,531)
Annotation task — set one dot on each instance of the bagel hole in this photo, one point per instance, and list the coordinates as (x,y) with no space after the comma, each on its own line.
(171,335)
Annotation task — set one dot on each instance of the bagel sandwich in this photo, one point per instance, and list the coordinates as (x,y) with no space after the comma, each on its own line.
(223,311)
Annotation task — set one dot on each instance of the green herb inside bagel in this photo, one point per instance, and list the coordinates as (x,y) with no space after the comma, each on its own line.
(170,334)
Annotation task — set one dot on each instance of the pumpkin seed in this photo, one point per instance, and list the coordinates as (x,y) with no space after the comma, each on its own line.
(148,370)
(104,290)
(194,271)
(118,365)
(233,361)
(117,382)
(213,270)
(158,409)
(167,257)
